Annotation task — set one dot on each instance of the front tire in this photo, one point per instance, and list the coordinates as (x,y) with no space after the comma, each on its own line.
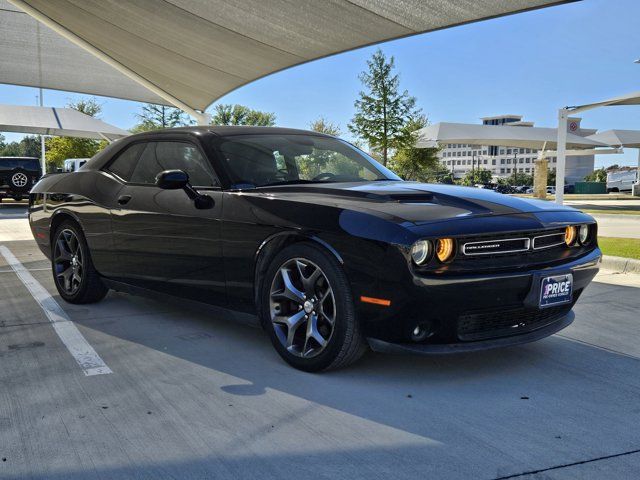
(73,272)
(307,308)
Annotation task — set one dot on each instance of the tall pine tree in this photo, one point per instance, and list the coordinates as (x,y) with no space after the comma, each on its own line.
(154,117)
(381,111)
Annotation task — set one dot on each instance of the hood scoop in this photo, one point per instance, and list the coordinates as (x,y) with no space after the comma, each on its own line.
(422,197)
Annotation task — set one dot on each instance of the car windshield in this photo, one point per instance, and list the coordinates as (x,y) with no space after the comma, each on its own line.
(261,160)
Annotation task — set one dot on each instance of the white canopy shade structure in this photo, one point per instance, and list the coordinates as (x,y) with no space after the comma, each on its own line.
(56,121)
(189,53)
(498,135)
(563,119)
(618,138)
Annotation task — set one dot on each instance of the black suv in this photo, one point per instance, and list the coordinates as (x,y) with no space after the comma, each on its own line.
(18,175)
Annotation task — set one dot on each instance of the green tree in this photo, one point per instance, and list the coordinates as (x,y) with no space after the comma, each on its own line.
(551,176)
(155,117)
(58,149)
(412,163)
(322,125)
(227,114)
(599,175)
(520,178)
(28,146)
(479,175)
(381,111)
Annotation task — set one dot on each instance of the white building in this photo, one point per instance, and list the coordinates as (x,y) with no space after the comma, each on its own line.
(504,161)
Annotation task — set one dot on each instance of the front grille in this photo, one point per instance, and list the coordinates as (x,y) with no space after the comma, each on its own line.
(488,247)
(505,244)
(548,241)
(496,323)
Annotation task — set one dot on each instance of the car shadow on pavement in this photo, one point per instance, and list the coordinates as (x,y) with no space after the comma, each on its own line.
(551,376)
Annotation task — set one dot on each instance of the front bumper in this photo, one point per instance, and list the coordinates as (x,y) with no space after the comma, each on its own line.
(475,312)
(460,347)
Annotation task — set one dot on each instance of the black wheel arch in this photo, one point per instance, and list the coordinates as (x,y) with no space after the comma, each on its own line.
(60,216)
(270,247)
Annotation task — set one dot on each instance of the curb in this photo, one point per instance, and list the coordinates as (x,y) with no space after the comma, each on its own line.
(620,264)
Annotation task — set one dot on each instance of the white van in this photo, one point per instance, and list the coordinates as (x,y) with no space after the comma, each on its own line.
(621,180)
(73,164)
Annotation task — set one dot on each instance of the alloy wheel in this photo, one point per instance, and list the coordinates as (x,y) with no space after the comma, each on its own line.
(68,262)
(302,307)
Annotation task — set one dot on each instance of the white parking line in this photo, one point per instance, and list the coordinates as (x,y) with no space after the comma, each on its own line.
(82,351)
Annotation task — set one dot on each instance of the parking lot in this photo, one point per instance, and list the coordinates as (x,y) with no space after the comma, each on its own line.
(193,393)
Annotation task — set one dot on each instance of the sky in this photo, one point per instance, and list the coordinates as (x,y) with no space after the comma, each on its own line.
(529,64)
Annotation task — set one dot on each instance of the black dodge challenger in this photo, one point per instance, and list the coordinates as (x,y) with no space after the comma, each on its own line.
(331,250)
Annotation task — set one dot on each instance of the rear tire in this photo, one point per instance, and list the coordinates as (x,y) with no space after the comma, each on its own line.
(75,277)
(307,308)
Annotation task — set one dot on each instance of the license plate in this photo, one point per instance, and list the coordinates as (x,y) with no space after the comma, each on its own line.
(556,290)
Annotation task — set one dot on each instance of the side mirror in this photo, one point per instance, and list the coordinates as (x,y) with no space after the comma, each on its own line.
(179,180)
(172,180)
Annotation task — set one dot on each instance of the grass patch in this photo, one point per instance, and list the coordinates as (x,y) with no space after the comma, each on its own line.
(620,247)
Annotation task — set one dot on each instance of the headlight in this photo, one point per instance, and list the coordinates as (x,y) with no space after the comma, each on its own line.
(570,235)
(444,249)
(421,251)
(583,234)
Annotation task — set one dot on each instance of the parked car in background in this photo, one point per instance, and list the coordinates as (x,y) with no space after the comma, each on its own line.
(73,164)
(621,180)
(18,175)
(332,251)
(504,189)
(551,190)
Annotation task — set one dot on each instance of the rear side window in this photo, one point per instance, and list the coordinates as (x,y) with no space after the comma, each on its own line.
(30,164)
(159,156)
(26,163)
(124,164)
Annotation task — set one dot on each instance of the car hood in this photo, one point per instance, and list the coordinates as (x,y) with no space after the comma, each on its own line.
(411,202)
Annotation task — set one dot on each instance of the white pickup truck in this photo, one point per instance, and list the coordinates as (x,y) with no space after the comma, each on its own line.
(621,180)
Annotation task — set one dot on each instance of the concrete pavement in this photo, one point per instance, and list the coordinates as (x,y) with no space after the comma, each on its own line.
(622,226)
(195,395)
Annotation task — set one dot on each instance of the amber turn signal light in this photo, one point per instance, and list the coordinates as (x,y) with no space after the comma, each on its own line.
(570,235)
(444,249)
(376,301)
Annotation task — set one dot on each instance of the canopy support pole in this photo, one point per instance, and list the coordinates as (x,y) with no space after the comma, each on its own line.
(563,116)
(201,118)
(43,159)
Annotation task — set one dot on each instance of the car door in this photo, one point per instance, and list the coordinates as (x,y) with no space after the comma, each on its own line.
(162,241)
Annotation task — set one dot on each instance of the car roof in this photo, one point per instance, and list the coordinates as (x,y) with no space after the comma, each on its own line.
(230,130)
(19,158)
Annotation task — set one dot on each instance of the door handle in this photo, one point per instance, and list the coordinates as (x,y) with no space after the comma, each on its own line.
(124,199)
